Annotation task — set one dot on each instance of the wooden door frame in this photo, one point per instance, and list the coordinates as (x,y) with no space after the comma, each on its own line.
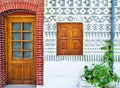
(6,44)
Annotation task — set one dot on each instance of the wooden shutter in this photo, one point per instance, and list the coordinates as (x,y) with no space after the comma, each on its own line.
(69,39)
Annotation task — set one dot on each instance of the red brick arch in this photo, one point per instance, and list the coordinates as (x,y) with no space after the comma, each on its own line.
(37,8)
(18,5)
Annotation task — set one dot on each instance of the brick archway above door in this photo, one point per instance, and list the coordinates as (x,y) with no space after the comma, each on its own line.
(36,7)
(18,5)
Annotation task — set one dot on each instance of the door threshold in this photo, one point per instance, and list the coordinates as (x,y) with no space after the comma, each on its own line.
(19,86)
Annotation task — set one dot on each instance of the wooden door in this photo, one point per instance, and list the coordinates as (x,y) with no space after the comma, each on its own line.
(20,49)
(69,38)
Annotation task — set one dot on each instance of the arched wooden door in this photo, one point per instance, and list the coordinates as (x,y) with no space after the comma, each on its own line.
(20,49)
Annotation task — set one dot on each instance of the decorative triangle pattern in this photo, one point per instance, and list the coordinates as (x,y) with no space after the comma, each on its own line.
(95,16)
(79,3)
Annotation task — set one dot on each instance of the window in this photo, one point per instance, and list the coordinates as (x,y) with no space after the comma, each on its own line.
(22,40)
(69,39)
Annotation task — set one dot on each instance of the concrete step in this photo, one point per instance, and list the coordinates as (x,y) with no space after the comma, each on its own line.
(19,86)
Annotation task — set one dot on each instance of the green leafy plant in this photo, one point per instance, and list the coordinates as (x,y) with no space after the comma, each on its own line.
(102,74)
(108,56)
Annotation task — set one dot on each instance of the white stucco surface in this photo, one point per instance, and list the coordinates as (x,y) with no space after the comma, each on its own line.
(66,74)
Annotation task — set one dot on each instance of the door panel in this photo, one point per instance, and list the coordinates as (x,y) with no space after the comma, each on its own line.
(20,43)
(16,73)
(29,69)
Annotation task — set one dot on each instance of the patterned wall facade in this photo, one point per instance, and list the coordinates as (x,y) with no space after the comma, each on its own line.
(117,30)
(95,16)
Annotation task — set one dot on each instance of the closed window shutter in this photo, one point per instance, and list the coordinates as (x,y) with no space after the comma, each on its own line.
(69,39)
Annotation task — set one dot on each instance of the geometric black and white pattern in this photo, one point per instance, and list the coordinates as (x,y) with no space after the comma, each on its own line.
(78,3)
(95,16)
(117,30)
(78,11)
